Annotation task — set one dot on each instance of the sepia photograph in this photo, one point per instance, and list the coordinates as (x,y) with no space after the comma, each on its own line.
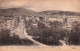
(40,24)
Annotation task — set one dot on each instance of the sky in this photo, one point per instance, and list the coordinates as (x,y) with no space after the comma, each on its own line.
(41,5)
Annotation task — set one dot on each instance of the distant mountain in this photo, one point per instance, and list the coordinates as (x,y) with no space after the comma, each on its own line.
(58,12)
(16,11)
(27,12)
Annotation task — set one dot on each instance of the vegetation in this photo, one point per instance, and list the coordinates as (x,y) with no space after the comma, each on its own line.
(47,35)
(74,37)
(6,38)
(51,35)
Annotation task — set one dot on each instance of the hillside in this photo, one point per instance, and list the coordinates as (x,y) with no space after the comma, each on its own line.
(16,11)
(27,12)
(58,12)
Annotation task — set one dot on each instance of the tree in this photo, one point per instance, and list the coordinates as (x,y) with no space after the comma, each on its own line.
(15,39)
(56,25)
(74,37)
(4,36)
(47,35)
